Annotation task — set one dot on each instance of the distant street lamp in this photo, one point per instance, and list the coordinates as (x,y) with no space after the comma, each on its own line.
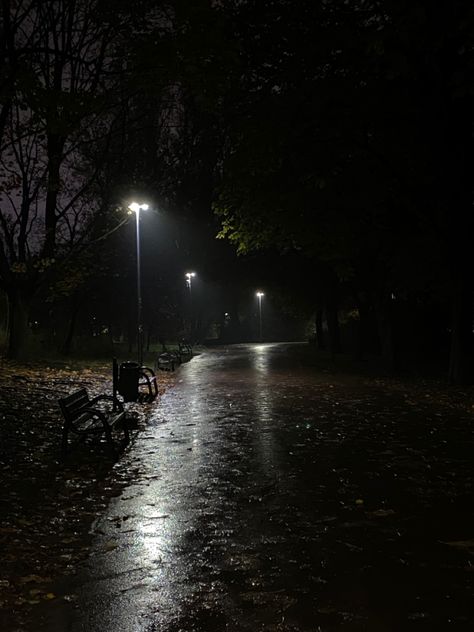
(136,208)
(189,276)
(259,297)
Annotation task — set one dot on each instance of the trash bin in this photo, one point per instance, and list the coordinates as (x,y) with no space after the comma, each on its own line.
(129,376)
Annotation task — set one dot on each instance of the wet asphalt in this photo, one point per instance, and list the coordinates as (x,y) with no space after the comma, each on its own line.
(271,496)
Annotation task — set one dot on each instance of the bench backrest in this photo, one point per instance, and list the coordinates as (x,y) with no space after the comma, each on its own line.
(71,404)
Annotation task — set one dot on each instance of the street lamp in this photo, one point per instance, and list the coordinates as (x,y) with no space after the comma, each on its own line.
(189,276)
(136,208)
(259,297)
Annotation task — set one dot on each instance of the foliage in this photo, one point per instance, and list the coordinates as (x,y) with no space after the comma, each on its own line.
(336,155)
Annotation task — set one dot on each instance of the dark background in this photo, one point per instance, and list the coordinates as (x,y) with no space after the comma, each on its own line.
(328,144)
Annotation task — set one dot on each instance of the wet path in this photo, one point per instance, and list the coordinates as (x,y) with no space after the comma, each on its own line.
(269,497)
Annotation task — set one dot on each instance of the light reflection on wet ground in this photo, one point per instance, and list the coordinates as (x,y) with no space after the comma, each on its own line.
(270,497)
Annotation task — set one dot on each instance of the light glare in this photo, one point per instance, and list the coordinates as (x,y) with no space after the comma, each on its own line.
(135,207)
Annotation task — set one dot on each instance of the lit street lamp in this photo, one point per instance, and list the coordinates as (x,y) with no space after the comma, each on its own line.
(189,276)
(136,208)
(259,297)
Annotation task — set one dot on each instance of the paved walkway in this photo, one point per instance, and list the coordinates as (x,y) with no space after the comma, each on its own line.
(272,497)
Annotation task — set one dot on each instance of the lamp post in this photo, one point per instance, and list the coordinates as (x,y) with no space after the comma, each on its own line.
(136,208)
(259,297)
(189,276)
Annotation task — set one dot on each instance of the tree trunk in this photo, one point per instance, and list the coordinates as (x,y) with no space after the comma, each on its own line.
(67,344)
(320,338)
(332,320)
(55,156)
(17,326)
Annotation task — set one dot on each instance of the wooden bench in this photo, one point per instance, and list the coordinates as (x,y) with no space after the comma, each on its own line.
(167,361)
(83,416)
(185,351)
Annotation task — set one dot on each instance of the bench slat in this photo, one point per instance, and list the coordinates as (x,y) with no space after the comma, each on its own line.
(70,404)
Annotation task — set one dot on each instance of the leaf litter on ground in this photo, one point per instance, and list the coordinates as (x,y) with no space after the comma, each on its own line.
(47,502)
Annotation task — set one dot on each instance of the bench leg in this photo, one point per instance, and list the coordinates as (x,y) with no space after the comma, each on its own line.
(126,431)
(64,442)
(108,436)
(151,386)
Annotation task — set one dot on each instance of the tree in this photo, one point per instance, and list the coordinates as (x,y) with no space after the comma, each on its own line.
(62,95)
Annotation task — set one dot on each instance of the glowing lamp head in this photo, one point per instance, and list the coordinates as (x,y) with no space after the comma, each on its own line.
(188,275)
(135,207)
(260,294)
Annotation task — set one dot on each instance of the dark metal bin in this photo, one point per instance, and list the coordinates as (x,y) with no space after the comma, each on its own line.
(129,376)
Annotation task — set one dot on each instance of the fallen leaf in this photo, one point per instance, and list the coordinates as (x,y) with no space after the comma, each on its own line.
(28,579)
(462,544)
(110,546)
(381,513)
